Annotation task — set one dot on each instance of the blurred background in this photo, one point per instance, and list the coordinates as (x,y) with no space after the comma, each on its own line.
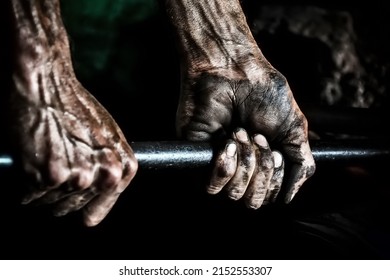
(336,59)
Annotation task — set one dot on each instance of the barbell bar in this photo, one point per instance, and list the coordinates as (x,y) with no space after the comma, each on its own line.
(184,155)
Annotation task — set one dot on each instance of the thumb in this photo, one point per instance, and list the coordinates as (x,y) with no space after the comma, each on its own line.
(302,168)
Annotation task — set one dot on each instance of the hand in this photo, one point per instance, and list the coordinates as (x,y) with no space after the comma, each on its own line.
(75,155)
(227,84)
(72,150)
(221,103)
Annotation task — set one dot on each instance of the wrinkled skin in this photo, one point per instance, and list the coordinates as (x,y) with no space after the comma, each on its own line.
(231,93)
(75,155)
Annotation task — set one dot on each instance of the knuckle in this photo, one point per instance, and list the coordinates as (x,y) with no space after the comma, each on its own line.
(133,164)
(310,169)
(267,163)
(109,177)
(114,175)
(83,179)
(278,80)
(55,174)
(130,168)
(225,170)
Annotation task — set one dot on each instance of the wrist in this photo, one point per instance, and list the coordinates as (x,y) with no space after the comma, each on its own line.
(212,34)
(232,58)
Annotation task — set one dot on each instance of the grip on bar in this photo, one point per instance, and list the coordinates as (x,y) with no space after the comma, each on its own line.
(175,154)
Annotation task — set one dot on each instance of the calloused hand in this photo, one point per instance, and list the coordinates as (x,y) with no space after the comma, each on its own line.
(253,110)
(74,153)
(230,92)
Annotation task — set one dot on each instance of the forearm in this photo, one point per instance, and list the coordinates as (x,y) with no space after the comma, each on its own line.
(212,33)
(41,47)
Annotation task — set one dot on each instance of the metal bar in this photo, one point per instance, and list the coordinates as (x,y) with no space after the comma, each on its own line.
(5,161)
(179,155)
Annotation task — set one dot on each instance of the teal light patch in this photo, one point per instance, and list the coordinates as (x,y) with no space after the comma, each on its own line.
(95,27)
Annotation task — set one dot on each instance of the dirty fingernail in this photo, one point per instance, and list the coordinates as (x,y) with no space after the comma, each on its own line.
(278,159)
(260,140)
(242,135)
(231,150)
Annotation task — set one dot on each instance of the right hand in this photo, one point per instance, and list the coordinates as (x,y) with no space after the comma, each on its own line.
(74,153)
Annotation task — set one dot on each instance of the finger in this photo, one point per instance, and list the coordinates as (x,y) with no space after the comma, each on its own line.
(224,168)
(261,178)
(107,176)
(43,180)
(55,195)
(82,179)
(246,163)
(303,167)
(32,196)
(106,180)
(98,208)
(276,180)
(110,171)
(74,201)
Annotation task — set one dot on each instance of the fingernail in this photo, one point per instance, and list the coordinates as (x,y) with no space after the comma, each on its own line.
(242,135)
(290,197)
(278,159)
(261,141)
(231,150)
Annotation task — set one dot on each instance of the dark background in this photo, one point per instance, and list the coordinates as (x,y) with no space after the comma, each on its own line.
(124,53)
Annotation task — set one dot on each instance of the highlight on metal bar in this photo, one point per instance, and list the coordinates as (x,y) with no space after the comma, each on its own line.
(5,161)
(184,155)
